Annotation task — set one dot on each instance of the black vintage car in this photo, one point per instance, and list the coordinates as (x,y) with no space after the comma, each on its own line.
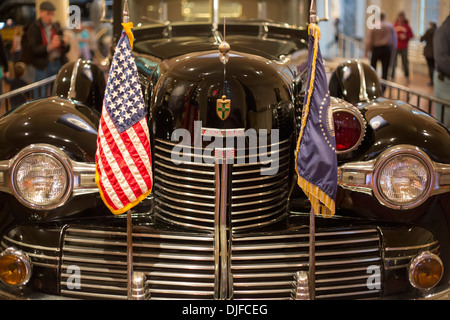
(224,230)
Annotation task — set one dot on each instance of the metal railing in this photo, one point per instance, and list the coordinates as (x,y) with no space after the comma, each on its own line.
(28,91)
(350,47)
(420,100)
(395,91)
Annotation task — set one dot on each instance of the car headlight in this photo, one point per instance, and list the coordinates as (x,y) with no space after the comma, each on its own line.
(41,179)
(403,178)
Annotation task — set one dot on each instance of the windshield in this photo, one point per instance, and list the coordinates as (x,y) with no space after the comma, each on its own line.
(144,12)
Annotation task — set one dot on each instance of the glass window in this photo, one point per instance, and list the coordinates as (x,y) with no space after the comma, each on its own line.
(293,12)
(429,11)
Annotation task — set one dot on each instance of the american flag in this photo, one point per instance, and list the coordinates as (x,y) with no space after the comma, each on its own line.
(123,158)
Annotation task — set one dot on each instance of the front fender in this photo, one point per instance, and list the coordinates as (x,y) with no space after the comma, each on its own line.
(70,126)
(392,122)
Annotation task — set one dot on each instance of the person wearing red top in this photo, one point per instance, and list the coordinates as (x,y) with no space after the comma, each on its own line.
(404,34)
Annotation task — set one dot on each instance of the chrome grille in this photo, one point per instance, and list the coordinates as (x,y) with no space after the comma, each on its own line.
(182,266)
(185,193)
(176,266)
(263,266)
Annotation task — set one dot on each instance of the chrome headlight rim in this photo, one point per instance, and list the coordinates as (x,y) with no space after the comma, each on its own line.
(339,105)
(56,155)
(388,155)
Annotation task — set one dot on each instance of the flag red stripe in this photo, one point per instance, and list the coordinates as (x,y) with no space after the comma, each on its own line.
(141,152)
(109,175)
(135,155)
(126,144)
(118,156)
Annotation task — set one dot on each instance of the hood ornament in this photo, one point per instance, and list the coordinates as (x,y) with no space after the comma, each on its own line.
(223,107)
(224,50)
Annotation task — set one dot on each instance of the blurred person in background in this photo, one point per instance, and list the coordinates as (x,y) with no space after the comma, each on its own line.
(381,43)
(16,48)
(45,47)
(428,50)
(404,34)
(441,45)
(3,62)
(16,83)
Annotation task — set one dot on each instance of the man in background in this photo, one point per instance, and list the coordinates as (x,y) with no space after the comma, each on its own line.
(441,45)
(428,49)
(45,46)
(382,42)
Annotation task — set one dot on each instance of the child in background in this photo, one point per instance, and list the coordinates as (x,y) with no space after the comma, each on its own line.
(16,83)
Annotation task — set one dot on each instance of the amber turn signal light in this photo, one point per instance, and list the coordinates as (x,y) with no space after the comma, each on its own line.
(15,267)
(425,271)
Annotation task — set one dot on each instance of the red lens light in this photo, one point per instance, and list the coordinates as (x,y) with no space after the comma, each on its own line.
(348,130)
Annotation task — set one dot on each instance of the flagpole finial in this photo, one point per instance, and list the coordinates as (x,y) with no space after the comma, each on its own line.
(126,12)
(313,13)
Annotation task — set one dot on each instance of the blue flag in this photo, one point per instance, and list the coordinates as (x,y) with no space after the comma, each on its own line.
(316,160)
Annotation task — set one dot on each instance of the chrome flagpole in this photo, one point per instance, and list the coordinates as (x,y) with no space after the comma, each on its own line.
(126,19)
(129,255)
(312,255)
(312,217)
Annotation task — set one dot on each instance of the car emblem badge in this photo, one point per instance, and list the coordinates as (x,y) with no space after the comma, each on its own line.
(223,108)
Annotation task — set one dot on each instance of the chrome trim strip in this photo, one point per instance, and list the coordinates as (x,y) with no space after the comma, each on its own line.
(363,96)
(177,168)
(92,295)
(278,265)
(177,200)
(181,177)
(182,283)
(186,194)
(266,185)
(72,90)
(305,235)
(252,195)
(217,266)
(190,187)
(418,247)
(34,247)
(179,275)
(172,144)
(256,209)
(260,202)
(177,222)
(260,170)
(204,212)
(240,220)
